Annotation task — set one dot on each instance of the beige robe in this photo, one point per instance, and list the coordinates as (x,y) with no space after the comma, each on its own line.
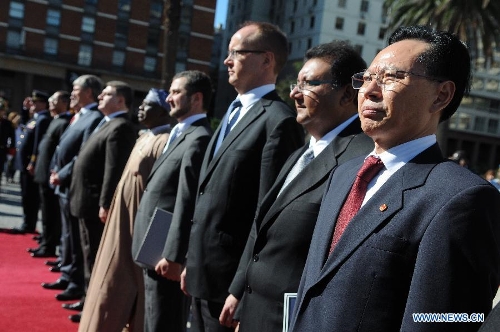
(115,296)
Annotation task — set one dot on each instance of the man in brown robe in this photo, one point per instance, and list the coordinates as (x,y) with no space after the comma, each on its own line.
(115,297)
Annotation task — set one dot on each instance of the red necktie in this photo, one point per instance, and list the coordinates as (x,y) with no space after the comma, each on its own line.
(370,168)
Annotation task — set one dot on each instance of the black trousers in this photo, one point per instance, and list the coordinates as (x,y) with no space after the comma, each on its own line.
(90,236)
(30,200)
(166,306)
(206,316)
(51,218)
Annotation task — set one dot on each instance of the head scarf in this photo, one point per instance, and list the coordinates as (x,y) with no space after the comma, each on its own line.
(159,97)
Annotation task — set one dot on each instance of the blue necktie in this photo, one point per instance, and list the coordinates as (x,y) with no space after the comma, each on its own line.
(173,135)
(234,113)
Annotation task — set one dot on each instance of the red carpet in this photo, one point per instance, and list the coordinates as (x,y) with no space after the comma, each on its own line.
(25,305)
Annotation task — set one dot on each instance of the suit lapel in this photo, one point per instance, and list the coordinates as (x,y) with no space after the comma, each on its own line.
(251,116)
(173,147)
(370,216)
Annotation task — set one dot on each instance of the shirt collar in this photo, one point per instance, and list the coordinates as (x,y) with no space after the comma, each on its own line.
(320,144)
(251,97)
(398,156)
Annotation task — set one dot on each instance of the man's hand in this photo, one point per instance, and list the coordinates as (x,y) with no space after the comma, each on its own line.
(168,269)
(183,282)
(54,179)
(31,169)
(227,314)
(103,214)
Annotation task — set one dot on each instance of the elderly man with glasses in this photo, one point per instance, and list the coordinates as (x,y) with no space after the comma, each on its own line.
(404,232)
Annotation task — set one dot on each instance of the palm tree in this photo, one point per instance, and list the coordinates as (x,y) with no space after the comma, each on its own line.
(477,22)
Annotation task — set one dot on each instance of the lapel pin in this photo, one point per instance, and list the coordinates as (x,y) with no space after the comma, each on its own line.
(382,207)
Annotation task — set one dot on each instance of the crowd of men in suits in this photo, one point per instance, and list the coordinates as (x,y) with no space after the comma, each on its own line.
(365,221)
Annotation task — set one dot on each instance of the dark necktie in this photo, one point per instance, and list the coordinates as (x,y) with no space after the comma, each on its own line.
(234,113)
(370,168)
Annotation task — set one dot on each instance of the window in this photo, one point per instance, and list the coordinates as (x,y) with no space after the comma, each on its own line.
(156,10)
(16,10)
(361,28)
(152,43)
(50,46)
(342,3)
(149,64)
(121,34)
(85,55)
(294,6)
(365,5)
(124,5)
(311,22)
(14,39)
(309,43)
(53,17)
(381,33)
(492,126)
(292,27)
(339,23)
(118,58)
(88,24)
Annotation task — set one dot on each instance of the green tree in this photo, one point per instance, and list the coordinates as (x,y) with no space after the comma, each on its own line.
(476,22)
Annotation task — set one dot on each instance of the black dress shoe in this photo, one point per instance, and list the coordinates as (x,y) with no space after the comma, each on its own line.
(78,306)
(58,284)
(32,250)
(76,317)
(42,253)
(69,295)
(56,268)
(52,263)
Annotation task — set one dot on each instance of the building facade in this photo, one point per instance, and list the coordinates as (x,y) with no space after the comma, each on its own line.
(45,44)
(475,128)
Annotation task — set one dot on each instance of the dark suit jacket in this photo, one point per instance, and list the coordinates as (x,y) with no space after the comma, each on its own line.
(48,146)
(172,186)
(231,184)
(427,242)
(276,251)
(32,136)
(70,144)
(99,166)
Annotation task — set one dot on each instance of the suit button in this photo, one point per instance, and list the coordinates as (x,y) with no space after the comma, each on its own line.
(256,258)
(249,289)
(201,193)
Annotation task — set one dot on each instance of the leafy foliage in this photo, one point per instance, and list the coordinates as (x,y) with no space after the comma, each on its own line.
(477,22)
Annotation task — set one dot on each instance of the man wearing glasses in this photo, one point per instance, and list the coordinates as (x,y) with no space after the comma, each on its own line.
(243,158)
(426,238)
(276,252)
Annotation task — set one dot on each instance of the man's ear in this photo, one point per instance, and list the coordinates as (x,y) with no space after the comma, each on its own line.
(445,93)
(349,95)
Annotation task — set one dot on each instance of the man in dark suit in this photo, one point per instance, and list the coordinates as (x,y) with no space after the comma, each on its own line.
(171,186)
(427,236)
(98,168)
(277,248)
(28,151)
(51,215)
(243,159)
(86,89)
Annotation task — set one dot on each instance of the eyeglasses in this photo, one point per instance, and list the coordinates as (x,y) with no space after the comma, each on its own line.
(232,54)
(308,84)
(386,79)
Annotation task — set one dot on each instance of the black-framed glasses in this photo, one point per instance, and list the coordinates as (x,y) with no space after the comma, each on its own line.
(308,84)
(385,79)
(232,53)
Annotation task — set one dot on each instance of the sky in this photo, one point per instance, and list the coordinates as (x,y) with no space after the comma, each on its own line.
(220,13)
